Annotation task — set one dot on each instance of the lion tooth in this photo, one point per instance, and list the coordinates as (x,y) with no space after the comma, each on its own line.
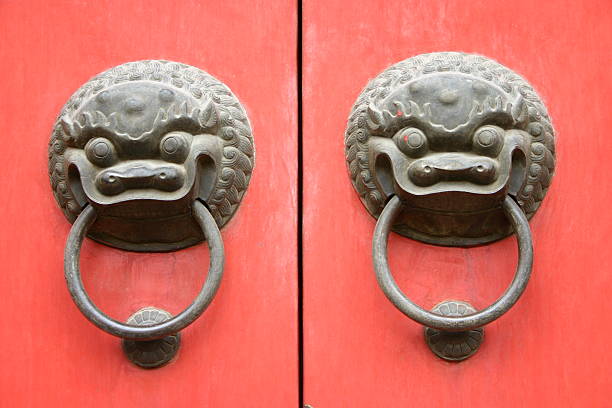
(400,108)
(373,119)
(387,116)
(101,119)
(195,112)
(487,104)
(476,109)
(176,110)
(517,110)
(415,110)
(519,115)
(159,118)
(374,115)
(87,119)
(208,116)
(78,128)
(112,120)
(67,126)
(427,110)
(498,103)
(170,110)
(182,110)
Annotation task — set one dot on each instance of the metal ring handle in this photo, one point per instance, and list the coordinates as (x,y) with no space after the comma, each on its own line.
(454,324)
(175,324)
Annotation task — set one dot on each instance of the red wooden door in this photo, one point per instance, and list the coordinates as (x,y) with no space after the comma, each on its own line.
(358,350)
(551,349)
(242,352)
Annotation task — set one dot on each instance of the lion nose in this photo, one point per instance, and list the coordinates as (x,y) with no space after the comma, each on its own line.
(452,167)
(116,181)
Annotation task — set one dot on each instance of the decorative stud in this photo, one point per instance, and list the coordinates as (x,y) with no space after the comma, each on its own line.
(151,353)
(454,346)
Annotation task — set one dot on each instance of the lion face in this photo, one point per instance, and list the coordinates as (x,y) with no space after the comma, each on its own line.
(143,140)
(448,133)
(451,134)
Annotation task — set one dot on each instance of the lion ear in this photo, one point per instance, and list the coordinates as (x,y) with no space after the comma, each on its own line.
(208,116)
(518,110)
(68,126)
(374,119)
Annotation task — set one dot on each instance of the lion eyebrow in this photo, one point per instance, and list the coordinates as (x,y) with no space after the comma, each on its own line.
(88,121)
(205,117)
(381,121)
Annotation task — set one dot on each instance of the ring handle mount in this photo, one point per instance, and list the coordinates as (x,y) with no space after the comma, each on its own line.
(151,353)
(164,328)
(143,330)
(454,346)
(457,320)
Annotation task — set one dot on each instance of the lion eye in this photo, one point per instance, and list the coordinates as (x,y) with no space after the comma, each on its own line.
(100,151)
(411,141)
(488,140)
(174,147)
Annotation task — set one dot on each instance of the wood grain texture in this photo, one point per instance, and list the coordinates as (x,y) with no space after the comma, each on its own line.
(551,349)
(242,352)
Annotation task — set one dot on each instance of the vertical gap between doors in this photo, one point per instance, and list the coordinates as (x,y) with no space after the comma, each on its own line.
(300,194)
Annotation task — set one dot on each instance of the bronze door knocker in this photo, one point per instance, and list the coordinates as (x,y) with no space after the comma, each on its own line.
(450,149)
(150,156)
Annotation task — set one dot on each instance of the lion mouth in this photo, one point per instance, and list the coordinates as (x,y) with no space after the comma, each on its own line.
(145,210)
(115,181)
(488,209)
(452,167)
(459,197)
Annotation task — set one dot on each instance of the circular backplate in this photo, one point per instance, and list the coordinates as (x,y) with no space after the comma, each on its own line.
(454,346)
(143,140)
(451,134)
(151,353)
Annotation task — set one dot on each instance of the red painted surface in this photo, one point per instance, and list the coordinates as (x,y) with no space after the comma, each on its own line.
(553,347)
(242,352)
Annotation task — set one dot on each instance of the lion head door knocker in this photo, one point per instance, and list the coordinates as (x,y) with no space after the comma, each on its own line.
(150,156)
(450,149)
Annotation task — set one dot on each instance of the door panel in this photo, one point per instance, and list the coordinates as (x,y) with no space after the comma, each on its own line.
(242,352)
(551,348)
